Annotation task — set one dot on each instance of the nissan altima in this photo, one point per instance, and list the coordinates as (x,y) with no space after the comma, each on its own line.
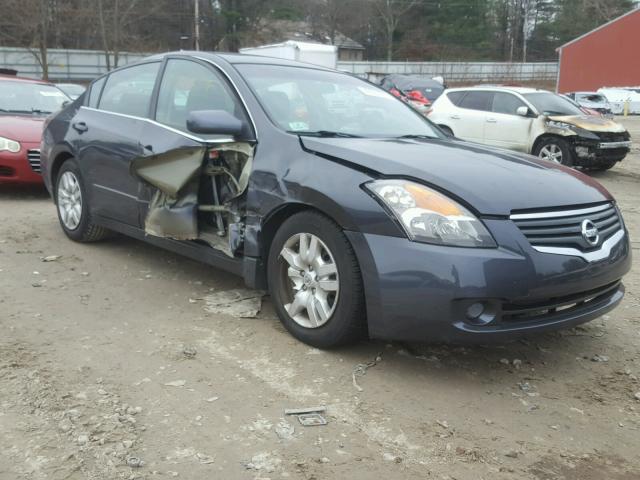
(357,214)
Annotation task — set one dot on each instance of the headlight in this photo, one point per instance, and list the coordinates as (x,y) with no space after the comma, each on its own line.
(10,145)
(560,125)
(428,216)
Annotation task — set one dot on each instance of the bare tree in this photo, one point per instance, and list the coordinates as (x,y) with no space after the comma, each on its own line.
(390,13)
(29,23)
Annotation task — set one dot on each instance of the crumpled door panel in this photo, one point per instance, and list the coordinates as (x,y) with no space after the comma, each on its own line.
(172,170)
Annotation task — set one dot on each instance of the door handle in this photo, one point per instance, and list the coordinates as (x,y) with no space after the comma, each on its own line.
(80,127)
(454,117)
(491,120)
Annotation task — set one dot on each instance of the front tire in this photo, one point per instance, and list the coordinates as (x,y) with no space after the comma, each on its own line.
(73,207)
(555,150)
(315,282)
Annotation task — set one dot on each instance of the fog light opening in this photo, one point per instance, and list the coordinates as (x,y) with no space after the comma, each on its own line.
(480,313)
(475,310)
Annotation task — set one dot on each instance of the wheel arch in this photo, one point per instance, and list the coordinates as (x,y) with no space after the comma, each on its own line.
(272,222)
(58,160)
(544,136)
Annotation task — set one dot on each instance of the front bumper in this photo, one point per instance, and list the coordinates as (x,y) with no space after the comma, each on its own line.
(420,292)
(597,152)
(16,167)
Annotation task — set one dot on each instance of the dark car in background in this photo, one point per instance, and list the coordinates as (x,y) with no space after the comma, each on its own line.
(419,92)
(24,105)
(360,217)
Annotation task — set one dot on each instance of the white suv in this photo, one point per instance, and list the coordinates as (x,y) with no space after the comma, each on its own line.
(531,121)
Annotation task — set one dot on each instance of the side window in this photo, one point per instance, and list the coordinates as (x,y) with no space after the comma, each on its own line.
(187,86)
(572,96)
(129,91)
(506,103)
(477,101)
(456,97)
(94,94)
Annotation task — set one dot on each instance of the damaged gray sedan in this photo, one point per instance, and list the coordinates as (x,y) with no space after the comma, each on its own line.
(357,214)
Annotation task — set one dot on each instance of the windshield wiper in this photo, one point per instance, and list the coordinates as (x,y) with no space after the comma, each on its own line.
(325,134)
(414,135)
(39,112)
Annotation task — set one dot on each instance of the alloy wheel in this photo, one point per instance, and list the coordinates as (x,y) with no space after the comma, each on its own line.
(69,200)
(310,279)
(551,152)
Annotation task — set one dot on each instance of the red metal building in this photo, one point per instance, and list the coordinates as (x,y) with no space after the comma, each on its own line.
(608,56)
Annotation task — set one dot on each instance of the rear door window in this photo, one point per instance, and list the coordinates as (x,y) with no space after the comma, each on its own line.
(129,91)
(477,101)
(456,97)
(506,103)
(94,94)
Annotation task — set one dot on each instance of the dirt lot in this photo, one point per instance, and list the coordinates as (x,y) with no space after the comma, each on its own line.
(110,367)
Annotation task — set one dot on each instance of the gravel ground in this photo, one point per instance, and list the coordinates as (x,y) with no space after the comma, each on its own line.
(112,367)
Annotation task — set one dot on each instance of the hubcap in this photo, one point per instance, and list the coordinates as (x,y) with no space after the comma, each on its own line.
(309,279)
(69,200)
(551,152)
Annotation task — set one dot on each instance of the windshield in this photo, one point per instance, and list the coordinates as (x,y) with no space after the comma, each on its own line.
(26,97)
(551,104)
(591,98)
(306,101)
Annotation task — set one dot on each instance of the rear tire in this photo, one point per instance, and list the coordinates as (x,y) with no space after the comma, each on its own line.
(555,150)
(315,282)
(73,206)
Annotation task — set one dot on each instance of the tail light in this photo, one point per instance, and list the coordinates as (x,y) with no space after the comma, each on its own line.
(417,96)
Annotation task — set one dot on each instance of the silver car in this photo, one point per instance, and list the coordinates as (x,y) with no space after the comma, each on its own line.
(592,100)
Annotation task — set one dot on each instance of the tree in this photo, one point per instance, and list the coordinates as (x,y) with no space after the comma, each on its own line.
(29,23)
(390,12)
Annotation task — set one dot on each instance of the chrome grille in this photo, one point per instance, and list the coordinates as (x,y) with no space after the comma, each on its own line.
(564,228)
(34,159)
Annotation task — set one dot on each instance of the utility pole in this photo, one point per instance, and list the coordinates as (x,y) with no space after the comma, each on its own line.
(196,25)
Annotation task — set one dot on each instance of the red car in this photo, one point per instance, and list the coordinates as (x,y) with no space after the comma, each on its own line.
(24,106)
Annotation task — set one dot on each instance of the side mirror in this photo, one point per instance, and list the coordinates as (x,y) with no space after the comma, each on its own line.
(216,122)
(523,111)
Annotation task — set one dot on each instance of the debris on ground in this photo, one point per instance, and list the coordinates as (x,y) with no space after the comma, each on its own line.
(134,462)
(51,258)
(298,411)
(189,352)
(176,383)
(312,419)
(361,369)
(309,416)
(284,430)
(239,303)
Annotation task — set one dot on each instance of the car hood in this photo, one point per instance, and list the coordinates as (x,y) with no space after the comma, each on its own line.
(590,122)
(491,181)
(21,128)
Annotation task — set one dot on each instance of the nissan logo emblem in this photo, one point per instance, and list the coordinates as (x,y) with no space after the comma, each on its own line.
(590,232)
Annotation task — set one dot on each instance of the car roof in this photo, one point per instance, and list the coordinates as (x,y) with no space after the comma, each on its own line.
(13,78)
(413,81)
(495,88)
(236,58)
